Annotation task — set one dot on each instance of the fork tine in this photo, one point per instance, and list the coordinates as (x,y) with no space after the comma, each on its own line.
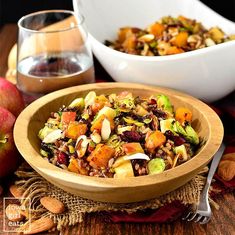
(198,218)
(190,218)
(188,215)
(205,220)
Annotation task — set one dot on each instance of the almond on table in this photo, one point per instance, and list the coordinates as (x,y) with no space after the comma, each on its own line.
(53,205)
(16,191)
(226,168)
(41,225)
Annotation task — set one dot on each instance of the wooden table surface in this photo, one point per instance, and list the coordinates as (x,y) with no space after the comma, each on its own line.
(222,222)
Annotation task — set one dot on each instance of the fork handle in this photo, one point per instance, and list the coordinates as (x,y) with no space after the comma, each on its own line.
(214,164)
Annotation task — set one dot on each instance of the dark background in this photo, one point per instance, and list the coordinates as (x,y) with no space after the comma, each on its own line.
(12,10)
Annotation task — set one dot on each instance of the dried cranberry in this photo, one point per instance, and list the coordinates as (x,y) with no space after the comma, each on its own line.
(159,113)
(169,134)
(153,101)
(62,158)
(131,136)
(178,140)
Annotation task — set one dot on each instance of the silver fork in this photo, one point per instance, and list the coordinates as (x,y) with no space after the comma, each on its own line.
(203,212)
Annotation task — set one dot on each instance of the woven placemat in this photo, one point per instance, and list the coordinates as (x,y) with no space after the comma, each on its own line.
(35,187)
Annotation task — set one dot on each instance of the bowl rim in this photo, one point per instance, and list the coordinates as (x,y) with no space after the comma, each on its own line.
(44,167)
(198,52)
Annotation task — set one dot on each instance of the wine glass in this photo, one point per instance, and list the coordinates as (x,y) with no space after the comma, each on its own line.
(53,53)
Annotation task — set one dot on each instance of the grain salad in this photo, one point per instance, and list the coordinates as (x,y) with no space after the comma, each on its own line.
(119,135)
(167,36)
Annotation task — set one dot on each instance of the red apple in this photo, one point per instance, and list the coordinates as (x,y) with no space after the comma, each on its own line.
(10,97)
(9,156)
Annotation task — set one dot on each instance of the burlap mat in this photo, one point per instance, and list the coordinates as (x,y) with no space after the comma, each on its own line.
(35,187)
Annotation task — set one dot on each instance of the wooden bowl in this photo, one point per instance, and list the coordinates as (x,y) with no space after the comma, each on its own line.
(32,119)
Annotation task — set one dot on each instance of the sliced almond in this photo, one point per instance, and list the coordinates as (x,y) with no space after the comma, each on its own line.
(145,51)
(146,38)
(175,160)
(53,136)
(90,98)
(137,156)
(38,226)
(105,129)
(96,137)
(13,212)
(194,38)
(16,191)
(53,205)
(81,145)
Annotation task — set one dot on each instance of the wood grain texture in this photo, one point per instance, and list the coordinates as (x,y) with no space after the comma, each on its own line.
(132,189)
(222,222)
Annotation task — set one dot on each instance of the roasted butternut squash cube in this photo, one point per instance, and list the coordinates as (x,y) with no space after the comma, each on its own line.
(76,168)
(181,39)
(156,29)
(100,102)
(73,165)
(183,114)
(75,129)
(101,156)
(130,43)
(174,50)
(153,140)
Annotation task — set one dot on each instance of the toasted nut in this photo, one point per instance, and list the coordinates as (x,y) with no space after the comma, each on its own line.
(16,191)
(145,51)
(106,129)
(194,38)
(173,31)
(229,156)
(96,137)
(146,38)
(13,213)
(38,226)
(90,98)
(226,170)
(53,205)
(81,145)
(53,136)
(163,47)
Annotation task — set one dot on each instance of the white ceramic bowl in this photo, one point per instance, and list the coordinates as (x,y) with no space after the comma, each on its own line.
(208,74)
